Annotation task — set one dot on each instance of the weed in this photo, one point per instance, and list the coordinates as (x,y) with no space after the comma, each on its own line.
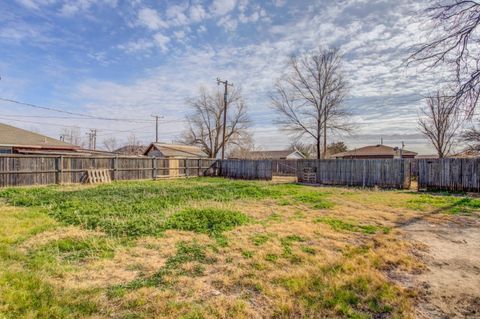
(259,239)
(208,221)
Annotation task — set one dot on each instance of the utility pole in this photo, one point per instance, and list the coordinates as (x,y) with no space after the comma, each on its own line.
(225,102)
(92,139)
(156,126)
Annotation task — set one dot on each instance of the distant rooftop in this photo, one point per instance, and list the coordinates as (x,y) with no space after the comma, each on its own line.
(11,136)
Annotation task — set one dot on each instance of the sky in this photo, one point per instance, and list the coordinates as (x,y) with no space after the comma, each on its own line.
(129,60)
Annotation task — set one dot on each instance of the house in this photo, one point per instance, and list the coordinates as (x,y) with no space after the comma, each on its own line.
(134,150)
(174,151)
(14,140)
(375,152)
(276,155)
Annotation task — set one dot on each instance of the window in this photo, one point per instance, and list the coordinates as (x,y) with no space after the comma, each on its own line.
(5,150)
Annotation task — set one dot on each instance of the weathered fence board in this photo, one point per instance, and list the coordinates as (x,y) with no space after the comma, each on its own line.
(385,173)
(451,174)
(245,169)
(284,167)
(23,170)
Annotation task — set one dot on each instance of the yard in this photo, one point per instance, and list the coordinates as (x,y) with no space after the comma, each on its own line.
(217,248)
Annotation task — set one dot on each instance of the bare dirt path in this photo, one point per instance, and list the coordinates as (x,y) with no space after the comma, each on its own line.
(450,287)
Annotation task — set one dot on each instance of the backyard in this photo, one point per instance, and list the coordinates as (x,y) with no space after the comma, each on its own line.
(218,248)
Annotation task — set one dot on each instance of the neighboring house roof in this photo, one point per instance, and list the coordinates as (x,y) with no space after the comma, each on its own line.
(11,136)
(374,150)
(131,150)
(177,150)
(468,153)
(275,154)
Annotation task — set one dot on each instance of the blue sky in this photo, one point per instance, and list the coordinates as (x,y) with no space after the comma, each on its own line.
(131,59)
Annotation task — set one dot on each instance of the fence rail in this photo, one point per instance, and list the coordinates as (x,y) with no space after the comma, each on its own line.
(20,170)
(384,173)
(451,174)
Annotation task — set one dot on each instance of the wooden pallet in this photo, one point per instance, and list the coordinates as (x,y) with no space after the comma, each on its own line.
(96,176)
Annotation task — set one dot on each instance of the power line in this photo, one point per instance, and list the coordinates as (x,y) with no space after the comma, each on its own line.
(68,112)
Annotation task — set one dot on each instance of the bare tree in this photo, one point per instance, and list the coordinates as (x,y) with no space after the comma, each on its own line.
(110,144)
(307,149)
(336,147)
(206,121)
(243,149)
(73,136)
(439,122)
(309,100)
(471,137)
(453,44)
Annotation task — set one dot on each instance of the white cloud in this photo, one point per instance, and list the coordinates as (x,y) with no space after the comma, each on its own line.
(161,41)
(137,46)
(151,19)
(222,7)
(176,14)
(228,23)
(197,13)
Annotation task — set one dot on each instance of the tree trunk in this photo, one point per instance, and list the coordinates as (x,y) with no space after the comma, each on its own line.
(325,140)
(318,148)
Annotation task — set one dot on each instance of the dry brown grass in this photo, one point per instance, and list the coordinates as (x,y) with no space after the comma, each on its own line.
(283,264)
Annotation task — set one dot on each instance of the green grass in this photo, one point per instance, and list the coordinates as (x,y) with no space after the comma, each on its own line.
(132,208)
(208,221)
(339,224)
(445,203)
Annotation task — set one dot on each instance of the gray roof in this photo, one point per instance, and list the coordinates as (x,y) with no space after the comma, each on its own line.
(178,150)
(373,150)
(16,137)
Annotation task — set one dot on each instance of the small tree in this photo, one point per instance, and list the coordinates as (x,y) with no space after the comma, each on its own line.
(309,100)
(439,122)
(206,121)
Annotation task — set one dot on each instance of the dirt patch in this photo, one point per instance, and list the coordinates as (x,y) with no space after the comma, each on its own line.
(450,287)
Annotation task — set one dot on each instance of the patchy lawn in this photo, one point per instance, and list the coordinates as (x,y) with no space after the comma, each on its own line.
(211,248)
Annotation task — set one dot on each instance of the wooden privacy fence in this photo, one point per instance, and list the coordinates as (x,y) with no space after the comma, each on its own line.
(245,169)
(451,174)
(21,170)
(384,173)
(284,167)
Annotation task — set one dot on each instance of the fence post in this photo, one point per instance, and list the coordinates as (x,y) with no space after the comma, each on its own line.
(59,170)
(154,168)
(115,166)
(198,167)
